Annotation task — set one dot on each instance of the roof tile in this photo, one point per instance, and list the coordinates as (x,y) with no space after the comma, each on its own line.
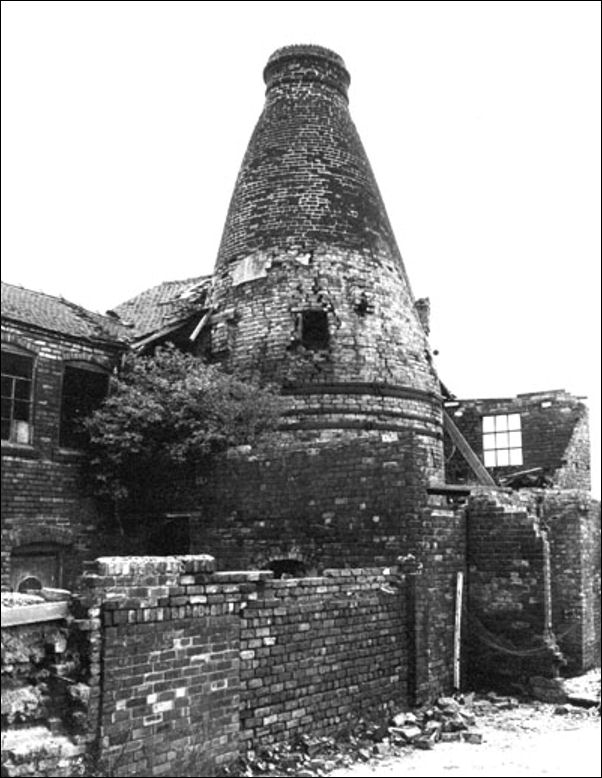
(59,315)
(164,304)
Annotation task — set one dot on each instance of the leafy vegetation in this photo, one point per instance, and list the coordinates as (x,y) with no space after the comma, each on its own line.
(163,419)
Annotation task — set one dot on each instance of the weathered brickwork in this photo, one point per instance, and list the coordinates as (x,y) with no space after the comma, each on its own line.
(506,620)
(533,584)
(185,666)
(572,521)
(201,665)
(374,334)
(368,505)
(44,499)
(574,472)
(305,180)
(310,292)
(318,653)
(50,694)
(326,502)
(555,436)
(439,540)
(170,666)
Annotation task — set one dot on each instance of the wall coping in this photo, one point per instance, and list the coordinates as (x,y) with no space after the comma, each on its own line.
(33,614)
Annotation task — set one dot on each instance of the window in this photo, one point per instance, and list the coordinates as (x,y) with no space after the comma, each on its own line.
(502,440)
(314,329)
(17,395)
(84,389)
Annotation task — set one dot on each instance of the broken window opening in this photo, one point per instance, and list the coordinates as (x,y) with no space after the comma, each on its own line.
(17,396)
(361,305)
(313,326)
(286,568)
(502,440)
(84,388)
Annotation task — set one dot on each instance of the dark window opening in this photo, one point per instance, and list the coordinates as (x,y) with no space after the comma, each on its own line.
(171,537)
(84,389)
(361,305)
(36,566)
(17,397)
(314,330)
(286,568)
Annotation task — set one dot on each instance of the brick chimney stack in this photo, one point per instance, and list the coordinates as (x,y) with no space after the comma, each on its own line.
(292,65)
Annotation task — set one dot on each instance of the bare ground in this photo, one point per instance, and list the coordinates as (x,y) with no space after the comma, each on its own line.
(533,739)
(469,735)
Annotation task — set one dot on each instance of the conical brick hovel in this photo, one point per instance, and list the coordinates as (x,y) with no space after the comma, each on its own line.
(309,282)
(305,181)
(310,292)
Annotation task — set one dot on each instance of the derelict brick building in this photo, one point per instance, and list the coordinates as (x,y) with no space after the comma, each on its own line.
(56,362)
(309,292)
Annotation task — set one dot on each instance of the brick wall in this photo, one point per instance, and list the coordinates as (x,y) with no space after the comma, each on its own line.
(439,540)
(43,497)
(506,620)
(572,521)
(201,665)
(319,653)
(512,538)
(329,502)
(170,686)
(574,472)
(351,503)
(186,667)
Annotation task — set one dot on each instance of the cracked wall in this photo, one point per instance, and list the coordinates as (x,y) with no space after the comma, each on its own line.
(375,335)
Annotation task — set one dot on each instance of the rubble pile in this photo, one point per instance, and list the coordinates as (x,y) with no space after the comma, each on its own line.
(449,719)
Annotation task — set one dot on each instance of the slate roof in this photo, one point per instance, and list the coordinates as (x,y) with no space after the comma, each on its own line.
(164,304)
(59,315)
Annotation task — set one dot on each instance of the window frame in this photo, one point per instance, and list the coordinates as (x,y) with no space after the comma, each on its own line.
(499,433)
(19,351)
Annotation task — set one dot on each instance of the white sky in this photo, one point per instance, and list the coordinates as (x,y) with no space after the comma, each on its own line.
(124,125)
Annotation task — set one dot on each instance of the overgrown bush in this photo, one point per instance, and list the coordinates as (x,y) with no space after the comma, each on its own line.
(165,416)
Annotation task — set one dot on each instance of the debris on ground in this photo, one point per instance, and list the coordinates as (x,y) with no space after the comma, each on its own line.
(583,690)
(449,719)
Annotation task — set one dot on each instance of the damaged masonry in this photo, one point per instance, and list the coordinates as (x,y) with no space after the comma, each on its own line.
(388,544)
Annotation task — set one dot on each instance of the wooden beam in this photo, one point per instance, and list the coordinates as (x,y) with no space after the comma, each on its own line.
(163,332)
(477,467)
(200,326)
(458,631)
